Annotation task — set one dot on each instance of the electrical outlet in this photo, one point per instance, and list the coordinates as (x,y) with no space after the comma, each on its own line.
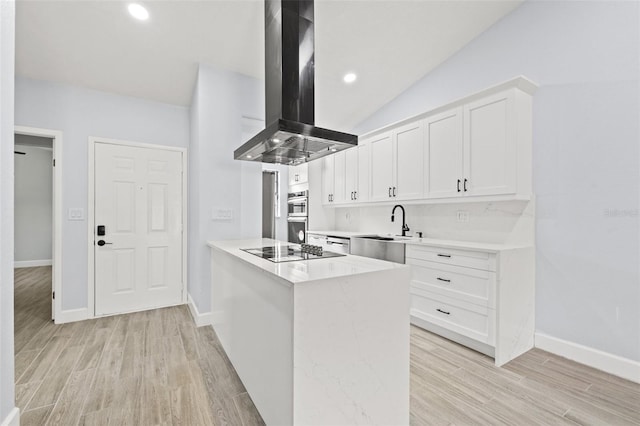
(462,216)
(222,214)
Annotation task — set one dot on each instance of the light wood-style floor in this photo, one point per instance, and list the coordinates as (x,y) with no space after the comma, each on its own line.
(156,367)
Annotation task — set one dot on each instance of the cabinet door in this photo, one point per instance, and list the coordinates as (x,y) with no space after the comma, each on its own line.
(444,154)
(351,174)
(362,189)
(381,150)
(339,188)
(327,178)
(490,145)
(303,173)
(292,175)
(409,161)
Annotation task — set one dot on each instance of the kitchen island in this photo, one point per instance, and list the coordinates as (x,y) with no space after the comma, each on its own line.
(315,342)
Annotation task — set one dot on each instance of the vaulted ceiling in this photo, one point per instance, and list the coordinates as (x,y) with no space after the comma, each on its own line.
(390,44)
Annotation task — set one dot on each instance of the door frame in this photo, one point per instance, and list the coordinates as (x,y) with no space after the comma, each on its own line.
(56,253)
(93,140)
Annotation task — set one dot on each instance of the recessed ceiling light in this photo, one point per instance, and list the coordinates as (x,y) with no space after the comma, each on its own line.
(276,140)
(248,156)
(334,149)
(138,11)
(350,77)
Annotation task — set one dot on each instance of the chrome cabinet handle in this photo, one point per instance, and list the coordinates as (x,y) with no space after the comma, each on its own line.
(442,279)
(389,192)
(394,191)
(444,312)
(465,185)
(444,255)
(458,185)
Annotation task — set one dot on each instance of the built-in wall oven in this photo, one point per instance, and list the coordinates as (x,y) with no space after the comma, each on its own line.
(297,217)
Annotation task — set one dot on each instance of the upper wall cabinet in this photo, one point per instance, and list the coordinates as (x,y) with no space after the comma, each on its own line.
(397,163)
(490,145)
(444,161)
(298,174)
(472,150)
(342,179)
(475,149)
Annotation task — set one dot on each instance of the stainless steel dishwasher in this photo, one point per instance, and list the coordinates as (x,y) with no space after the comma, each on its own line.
(338,244)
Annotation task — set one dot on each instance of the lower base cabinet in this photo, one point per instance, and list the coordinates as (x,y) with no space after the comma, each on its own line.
(481,299)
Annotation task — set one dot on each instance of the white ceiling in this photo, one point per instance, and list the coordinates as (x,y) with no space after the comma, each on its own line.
(390,44)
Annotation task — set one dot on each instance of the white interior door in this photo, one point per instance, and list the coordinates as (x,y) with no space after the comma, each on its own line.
(138,200)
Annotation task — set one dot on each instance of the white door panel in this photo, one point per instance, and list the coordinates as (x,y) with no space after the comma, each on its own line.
(444,156)
(490,146)
(381,151)
(409,161)
(138,198)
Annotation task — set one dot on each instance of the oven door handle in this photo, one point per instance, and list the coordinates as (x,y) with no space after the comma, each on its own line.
(296,219)
(297,200)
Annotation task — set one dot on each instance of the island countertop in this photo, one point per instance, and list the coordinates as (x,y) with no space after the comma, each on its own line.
(301,271)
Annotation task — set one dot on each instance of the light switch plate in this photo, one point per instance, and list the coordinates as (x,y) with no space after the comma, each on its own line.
(222,214)
(462,216)
(75,214)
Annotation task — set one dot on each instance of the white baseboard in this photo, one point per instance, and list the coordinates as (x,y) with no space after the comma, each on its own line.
(198,318)
(609,363)
(72,315)
(32,263)
(13,419)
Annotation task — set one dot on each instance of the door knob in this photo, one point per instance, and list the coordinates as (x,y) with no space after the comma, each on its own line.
(102,242)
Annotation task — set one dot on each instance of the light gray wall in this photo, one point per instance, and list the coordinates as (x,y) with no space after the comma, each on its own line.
(7,54)
(33,231)
(80,113)
(217,181)
(585,57)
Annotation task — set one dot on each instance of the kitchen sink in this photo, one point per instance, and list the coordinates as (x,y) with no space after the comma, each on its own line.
(379,247)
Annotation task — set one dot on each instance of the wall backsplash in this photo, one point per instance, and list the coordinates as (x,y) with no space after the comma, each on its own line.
(510,222)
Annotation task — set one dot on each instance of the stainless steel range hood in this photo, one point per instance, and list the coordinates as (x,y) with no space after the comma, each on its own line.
(290,136)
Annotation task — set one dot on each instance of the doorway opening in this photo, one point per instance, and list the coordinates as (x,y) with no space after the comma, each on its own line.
(38,208)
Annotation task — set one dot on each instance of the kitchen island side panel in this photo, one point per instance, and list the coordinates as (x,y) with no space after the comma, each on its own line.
(254,322)
(351,350)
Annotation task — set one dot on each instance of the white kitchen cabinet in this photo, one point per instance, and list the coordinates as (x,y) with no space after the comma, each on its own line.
(482,148)
(408,163)
(298,174)
(477,148)
(490,143)
(397,163)
(381,151)
(351,174)
(364,160)
(339,184)
(444,161)
(327,179)
(483,299)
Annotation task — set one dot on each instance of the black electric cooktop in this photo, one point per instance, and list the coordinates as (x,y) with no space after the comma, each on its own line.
(291,253)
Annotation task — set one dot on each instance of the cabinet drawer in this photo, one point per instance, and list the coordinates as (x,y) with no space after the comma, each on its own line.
(471,259)
(471,285)
(473,321)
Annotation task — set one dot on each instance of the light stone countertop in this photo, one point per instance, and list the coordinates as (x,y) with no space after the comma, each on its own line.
(451,244)
(301,271)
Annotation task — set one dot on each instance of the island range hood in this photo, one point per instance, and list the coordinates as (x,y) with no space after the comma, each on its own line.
(290,136)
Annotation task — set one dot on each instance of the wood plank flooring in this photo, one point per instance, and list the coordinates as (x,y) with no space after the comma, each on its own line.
(157,368)
(147,368)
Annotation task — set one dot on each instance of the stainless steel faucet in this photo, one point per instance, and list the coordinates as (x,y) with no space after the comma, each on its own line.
(405,227)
